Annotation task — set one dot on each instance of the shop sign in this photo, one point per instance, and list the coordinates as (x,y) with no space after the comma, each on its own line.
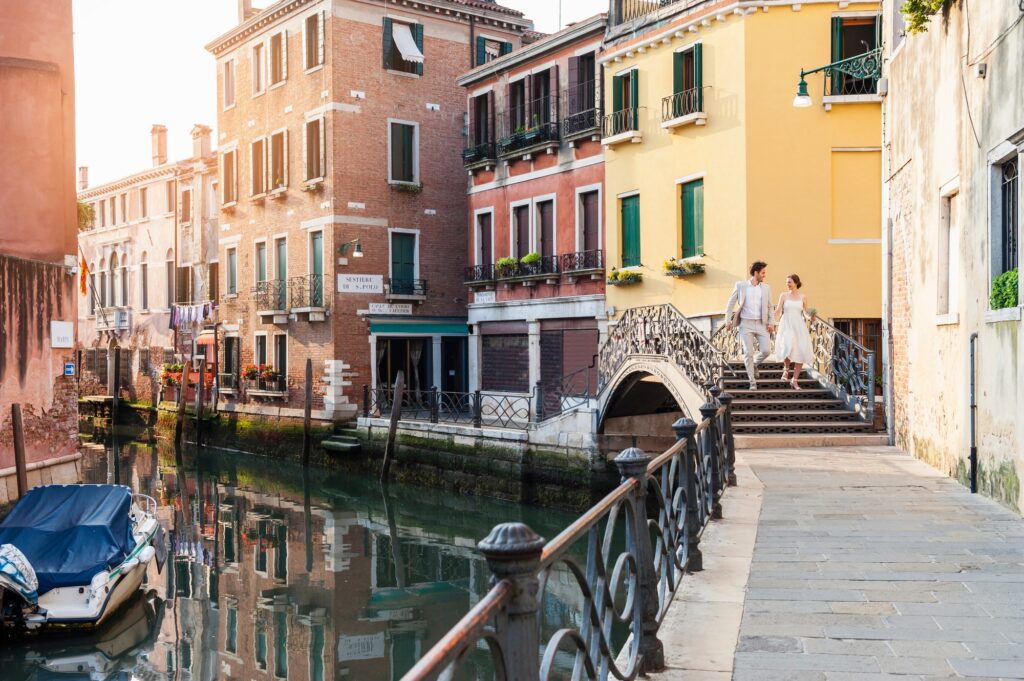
(390,308)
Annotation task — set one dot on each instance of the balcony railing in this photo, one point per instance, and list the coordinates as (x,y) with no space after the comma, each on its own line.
(621,121)
(628,10)
(407,287)
(478,153)
(276,385)
(227,382)
(528,126)
(682,104)
(582,261)
(271,295)
(854,75)
(546,265)
(581,110)
(113,319)
(479,274)
(306,291)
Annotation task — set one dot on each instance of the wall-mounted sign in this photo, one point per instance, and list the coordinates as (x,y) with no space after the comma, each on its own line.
(360,283)
(365,647)
(483,297)
(62,334)
(390,308)
(69,368)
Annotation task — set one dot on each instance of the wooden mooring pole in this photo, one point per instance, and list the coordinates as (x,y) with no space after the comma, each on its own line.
(396,413)
(19,449)
(115,389)
(307,412)
(179,426)
(199,402)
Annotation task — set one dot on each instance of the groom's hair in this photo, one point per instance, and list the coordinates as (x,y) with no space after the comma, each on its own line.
(757,267)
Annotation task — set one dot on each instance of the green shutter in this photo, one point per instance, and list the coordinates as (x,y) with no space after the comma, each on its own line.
(388,43)
(677,72)
(630,207)
(481,50)
(634,97)
(698,74)
(616,93)
(693,219)
(403,262)
(506,48)
(837,53)
(417,35)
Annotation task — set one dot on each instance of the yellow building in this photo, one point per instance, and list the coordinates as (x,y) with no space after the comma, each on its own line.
(708,159)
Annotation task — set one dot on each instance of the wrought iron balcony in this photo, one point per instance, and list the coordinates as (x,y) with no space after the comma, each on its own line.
(857,75)
(406,288)
(545,266)
(227,383)
(480,274)
(583,261)
(581,110)
(271,296)
(528,126)
(621,122)
(622,11)
(478,153)
(113,319)
(306,291)
(685,103)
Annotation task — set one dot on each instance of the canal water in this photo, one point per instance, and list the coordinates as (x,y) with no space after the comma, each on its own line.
(279,573)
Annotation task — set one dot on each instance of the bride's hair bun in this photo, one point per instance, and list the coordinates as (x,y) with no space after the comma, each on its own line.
(796,280)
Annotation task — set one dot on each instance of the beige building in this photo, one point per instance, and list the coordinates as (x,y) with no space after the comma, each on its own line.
(953,140)
(151,246)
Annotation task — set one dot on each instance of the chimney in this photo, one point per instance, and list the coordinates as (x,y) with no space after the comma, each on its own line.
(83,178)
(201,141)
(159,135)
(244,10)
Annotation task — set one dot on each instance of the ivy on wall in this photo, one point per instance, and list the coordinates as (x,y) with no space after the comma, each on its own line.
(920,12)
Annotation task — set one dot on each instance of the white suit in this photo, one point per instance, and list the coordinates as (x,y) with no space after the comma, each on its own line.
(752,329)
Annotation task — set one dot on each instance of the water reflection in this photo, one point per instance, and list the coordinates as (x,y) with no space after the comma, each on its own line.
(277,574)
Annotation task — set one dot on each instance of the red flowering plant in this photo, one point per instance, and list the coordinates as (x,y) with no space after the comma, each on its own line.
(267,372)
(251,372)
(170,374)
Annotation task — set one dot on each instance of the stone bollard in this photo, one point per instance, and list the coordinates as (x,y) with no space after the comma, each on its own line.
(711,444)
(730,443)
(684,429)
(478,409)
(366,401)
(632,463)
(513,552)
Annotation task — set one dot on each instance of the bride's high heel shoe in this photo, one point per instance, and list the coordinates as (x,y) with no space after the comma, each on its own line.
(785,374)
(795,384)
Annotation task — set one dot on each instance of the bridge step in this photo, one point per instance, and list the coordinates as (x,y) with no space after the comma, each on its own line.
(792,441)
(800,427)
(753,405)
(781,394)
(816,416)
(768,383)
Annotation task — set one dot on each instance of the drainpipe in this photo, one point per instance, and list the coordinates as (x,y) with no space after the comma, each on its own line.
(974,420)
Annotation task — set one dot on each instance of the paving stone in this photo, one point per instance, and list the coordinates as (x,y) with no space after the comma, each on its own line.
(862,608)
(776,675)
(914,665)
(935,649)
(806,662)
(936,609)
(1004,669)
(834,646)
(769,644)
(804,594)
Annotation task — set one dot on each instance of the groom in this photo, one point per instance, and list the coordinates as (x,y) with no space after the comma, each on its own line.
(752,300)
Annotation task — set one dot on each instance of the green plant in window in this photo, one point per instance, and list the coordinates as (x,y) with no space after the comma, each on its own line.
(919,12)
(507,266)
(1004,290)
(530,259)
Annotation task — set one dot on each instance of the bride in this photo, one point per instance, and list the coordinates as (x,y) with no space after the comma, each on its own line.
(793,341)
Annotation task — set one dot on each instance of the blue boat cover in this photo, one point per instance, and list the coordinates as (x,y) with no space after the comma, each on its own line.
(71,532)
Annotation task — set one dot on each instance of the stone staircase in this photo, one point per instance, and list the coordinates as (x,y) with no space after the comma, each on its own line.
(343,441)
(777,415)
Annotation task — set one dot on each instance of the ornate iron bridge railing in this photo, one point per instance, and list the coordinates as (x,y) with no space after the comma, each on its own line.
(477,408)
(573,390)
(626,561)
(843,364)
(664,331)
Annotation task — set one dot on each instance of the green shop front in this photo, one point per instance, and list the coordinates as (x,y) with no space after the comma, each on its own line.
(430,351)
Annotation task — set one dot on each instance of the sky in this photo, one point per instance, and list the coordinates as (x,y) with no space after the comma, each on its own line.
(140,62)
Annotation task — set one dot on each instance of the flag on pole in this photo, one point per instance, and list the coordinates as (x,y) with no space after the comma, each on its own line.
(83,277)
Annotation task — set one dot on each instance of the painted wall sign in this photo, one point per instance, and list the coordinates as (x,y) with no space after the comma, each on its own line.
(360,283)
(360,647)
(483,297)
(69,368)
(62,334)
(390,308)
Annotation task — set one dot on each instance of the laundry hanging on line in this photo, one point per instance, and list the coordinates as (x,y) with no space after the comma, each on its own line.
(186,315)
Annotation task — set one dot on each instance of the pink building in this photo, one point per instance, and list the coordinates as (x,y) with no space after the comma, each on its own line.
(536,176)
(37,236)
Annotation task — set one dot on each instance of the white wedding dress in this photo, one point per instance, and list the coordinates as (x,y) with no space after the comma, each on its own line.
(793,340)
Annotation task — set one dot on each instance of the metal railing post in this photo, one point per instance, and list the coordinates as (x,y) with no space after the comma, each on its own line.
(366,401)
(513,553)
(477,409)
(870,388)
(538,395)
(711,444)
(730,443)
(433,404)
(632,463)
(684,429)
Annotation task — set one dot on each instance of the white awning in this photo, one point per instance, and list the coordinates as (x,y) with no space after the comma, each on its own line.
(406,44)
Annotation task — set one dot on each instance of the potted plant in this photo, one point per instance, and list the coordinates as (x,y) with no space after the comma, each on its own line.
(530,263)
(269,376)
(506,267)
(679,267)
(407,187)
(624,277)
(1004,290)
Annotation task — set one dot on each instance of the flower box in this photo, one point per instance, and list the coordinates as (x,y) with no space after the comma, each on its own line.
(624,277)
(680,268)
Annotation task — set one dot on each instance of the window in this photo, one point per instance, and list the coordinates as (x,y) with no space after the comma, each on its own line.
(687,82)
(625,98)
(630,220)
(103,289)
(183,285)
(169,187)
(259,65)
(186,206)
(589,221)
(403,46)
(124,207)
(228,180)
(279,160)
(232,273)
(482,123)
(521,225)
(260,351)
(144,285)
(92,290)
(505,363)
(281,269)
(258,167)
(1009,210)
(948,247)
(316,255)
(229,83)
(213,281)
(546,228)
(170,282)
(278,57)
(113,210)
(315,138)
(692,212)
(281,354)
(232,355)
(489,49)
(124,282)
(143,206)
(517,105)
(852,36)
(281,644)
(316,652)
(113,283)
(313,38)
(403,263)
(582,95)
(144,363)
(260,638)
(485,239)
(231,644)
(261,261)
(403,141)
(103,213)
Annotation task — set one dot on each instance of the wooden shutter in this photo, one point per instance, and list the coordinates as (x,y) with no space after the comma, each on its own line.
(417,35)
(693,218)
(590,219)
(481,50)
(489,136)
(528,100)
(284,146)
(552,103)
(323,147)
(634,97)
(574,89)
(307,166)
(101,366)
(236,360)
(522,219)
(630,208)
(698,74)
(284,55)
(616,93)
(388,42)
(321,40)
(677,72)
(837,53)
(505,48)
(403,262)
(547,228)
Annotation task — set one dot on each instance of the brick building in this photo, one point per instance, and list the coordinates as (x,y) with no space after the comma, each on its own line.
(535,241)
(341,203)
(151,246)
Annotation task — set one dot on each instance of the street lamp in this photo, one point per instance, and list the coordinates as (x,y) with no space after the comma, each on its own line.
(357,252)
(802,99)
(864,66)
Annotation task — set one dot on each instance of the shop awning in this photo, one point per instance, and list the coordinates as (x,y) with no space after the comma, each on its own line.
(431,328)
(206,338)
(406,43)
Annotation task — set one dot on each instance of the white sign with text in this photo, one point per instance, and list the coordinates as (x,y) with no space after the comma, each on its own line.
(62,334)
(390,308)
(360,283)
(483,297)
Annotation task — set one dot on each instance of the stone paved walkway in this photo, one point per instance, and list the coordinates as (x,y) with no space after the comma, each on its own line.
(867,564)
